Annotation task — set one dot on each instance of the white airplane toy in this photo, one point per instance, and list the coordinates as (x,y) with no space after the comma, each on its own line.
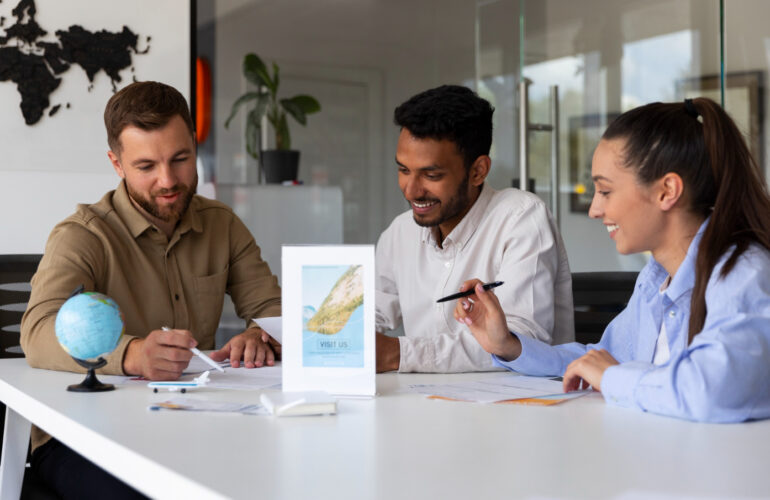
(200,381)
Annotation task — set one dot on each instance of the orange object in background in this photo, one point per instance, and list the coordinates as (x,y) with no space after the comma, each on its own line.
(202,100)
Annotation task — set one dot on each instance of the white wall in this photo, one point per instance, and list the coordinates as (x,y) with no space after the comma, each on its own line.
(61,160)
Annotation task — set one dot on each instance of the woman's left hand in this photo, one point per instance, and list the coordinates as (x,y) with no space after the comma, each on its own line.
(588,370)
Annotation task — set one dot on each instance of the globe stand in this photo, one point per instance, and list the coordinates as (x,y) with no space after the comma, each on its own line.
(91,383)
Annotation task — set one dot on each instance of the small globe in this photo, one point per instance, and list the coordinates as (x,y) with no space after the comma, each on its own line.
(89,325)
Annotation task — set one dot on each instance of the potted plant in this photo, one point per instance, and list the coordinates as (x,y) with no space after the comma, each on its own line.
(282,163)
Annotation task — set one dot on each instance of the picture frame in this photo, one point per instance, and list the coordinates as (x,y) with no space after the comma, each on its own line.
(328,319)
(584,134)
(744,102)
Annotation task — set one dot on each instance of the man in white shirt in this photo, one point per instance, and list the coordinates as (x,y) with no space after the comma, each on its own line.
(458,228)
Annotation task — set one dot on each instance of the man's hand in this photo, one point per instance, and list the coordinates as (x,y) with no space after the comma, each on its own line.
(588,370)
(274,344)
(484,316)
(162,355)
(388,353)
(249,347)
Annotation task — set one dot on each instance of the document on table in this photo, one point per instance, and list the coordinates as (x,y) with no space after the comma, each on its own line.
(233,378)
(273,326)
(195,404)
(246,378)
(507,388)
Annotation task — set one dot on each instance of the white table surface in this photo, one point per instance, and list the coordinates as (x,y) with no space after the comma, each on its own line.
(397,445)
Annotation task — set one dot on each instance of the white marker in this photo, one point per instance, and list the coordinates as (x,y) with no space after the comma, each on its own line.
(198,353)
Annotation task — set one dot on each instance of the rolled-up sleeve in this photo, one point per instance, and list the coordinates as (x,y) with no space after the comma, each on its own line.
(73,257)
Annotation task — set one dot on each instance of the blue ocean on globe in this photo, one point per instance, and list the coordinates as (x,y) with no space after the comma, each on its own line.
(89,325)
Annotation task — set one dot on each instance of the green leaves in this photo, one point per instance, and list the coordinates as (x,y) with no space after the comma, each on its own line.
(300,106)
(247,97)
(253,129)
(265,103)
(256,72)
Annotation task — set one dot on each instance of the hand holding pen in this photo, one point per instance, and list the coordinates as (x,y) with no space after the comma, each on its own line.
(161,355)
(470,291)
(485,318)
(198,353)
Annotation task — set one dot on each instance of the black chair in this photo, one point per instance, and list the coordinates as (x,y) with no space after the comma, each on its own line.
(15,274)
(598,298)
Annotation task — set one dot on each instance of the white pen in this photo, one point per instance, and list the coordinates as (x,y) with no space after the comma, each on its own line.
(198,353)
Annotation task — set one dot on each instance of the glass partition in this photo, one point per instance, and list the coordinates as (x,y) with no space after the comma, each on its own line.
(604,58)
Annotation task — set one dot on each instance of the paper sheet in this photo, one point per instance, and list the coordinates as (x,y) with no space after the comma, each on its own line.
(246,378)
(273,326)
(194,404)
(498,389)
(233,378)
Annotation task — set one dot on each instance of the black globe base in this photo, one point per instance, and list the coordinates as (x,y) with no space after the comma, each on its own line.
(91,383)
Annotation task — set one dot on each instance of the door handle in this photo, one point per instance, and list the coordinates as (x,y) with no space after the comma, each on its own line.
(524,127)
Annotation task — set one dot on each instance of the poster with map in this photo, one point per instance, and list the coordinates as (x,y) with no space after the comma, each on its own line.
(327,299)
(60,61)
(333,316)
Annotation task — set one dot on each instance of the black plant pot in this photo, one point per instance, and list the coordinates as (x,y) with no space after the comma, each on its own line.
(280,165)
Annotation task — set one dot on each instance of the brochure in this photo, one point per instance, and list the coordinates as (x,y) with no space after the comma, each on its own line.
(328,319)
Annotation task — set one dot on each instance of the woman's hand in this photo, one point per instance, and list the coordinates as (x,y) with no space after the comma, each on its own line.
(588,370)
(485,318)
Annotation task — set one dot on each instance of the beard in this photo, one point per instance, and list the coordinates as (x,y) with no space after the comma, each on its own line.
(171,213)
(456,205)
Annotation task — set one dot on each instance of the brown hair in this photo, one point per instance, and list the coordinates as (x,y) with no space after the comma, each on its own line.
(699,141)
(146,105)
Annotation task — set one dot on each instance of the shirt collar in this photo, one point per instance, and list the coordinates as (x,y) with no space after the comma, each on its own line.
(136,222)
(684,279)
(463,231)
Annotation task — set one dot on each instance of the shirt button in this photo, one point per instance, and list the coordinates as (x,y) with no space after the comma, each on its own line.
(671,314)
(176,296)
(447,264)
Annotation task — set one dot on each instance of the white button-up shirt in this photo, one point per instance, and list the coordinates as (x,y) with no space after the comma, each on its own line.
(506,236)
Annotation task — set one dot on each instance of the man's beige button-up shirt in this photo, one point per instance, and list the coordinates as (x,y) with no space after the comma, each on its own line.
(109,247)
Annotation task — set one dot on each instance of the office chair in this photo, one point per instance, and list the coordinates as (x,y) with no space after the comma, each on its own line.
(15,273)
(598,298)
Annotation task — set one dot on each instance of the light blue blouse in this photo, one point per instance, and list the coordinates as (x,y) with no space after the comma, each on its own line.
(722,376)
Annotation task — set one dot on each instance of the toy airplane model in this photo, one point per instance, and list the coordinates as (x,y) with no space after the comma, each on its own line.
(200,381)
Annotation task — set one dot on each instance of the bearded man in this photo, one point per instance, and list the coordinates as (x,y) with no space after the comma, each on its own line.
(457,228)
(166,256)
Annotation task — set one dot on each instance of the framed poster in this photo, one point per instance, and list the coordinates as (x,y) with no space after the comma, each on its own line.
(328,319)
(584,134)
(743,102)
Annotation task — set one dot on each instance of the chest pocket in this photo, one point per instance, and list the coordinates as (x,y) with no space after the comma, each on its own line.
(210,294)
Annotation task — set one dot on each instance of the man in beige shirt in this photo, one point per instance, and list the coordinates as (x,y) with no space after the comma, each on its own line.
(164,254)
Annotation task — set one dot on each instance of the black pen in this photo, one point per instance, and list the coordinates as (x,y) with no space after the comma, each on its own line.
(458,295)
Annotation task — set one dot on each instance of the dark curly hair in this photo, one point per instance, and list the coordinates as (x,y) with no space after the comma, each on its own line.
(453,113)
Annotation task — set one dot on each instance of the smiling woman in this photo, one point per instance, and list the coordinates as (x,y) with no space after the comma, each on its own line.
(676,180)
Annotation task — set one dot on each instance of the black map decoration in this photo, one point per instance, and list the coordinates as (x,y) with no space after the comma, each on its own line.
(34,64)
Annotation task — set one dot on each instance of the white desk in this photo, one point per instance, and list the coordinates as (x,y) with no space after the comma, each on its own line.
(391,447)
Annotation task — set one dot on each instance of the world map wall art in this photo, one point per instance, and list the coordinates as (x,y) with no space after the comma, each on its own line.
(36,63)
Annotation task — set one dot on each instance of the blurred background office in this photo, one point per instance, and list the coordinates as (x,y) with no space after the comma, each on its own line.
(582,62)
